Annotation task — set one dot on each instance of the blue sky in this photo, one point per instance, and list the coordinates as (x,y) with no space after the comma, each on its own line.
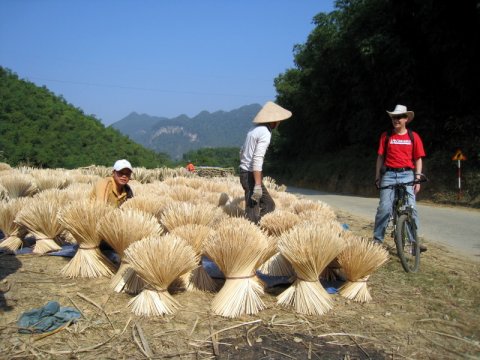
(162,58)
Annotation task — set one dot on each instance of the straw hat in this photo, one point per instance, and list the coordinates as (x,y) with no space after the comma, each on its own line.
(400,110)
(271,112)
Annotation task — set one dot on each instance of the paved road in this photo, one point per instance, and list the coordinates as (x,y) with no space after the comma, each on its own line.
(457,228)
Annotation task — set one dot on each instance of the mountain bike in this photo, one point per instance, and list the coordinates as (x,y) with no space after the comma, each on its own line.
(404,230)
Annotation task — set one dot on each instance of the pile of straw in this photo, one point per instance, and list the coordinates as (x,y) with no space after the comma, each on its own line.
(17,185)
(39,216)
(184,213)
(359,260)
(309,247)
(151,204)
(195,236)
(238,247)
(12,231)
(235,208)
(81,218)
(119,228)
(275,224)
(159,261)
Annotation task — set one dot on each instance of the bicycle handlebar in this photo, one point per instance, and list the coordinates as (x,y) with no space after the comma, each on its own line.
(422,179)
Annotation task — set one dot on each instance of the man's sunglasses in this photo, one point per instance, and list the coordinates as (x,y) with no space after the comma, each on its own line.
(398,117)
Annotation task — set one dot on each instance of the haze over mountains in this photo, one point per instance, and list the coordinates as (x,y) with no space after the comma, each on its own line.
(181,134)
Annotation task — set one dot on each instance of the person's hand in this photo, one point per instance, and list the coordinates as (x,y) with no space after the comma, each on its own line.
(257,193)
(416,188)
(377,183)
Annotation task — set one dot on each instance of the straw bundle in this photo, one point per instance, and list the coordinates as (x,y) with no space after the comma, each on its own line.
(195,236)
(309,247)
(159,261)
(283,200)
(183,193)
(275,224)
(310,210)
(3,193)
(238,247)
(18,185)
(5,166)
(359,260)
(214,186)
(50,179)
(181,213)
(12,231)
(119,228)
(80,218)
(39,216)
(78,190)
(235,208)
(150,204)
(143,175)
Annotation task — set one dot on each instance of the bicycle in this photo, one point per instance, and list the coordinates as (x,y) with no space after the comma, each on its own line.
(404,227)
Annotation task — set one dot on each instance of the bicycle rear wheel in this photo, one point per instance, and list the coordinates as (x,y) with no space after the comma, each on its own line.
(407,243)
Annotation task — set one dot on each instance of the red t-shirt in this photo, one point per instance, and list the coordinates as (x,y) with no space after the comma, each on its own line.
(399,152)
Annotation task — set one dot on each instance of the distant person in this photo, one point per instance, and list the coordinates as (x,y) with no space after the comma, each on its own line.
(114,189)
(258,201)
(190,167)
(399,160)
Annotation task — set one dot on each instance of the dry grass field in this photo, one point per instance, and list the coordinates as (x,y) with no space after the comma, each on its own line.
(434,314)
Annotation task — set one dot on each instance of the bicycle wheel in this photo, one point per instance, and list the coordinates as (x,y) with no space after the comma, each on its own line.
(407,243)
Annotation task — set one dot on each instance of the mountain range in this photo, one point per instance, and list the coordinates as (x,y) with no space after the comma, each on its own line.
(176,136)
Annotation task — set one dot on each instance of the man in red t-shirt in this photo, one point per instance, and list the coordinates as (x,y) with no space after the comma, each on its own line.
(402,163)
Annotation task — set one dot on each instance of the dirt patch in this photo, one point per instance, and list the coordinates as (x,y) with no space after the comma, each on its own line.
(430,315)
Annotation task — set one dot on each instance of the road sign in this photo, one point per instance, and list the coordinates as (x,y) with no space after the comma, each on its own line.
(459,156)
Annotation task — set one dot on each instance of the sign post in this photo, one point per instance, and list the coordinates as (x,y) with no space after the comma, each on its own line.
(459,157)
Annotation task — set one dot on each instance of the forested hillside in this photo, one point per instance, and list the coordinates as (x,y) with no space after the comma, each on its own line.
(364,58)
(38,128)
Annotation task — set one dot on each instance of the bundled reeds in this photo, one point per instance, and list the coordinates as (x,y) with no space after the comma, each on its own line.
(314,210)
(151,204)
(119,228)
(159,260)
(235,208)
(309,247)
(275,224)
(359,259)
(50,179)
(17,185)
(40,217)
(183,193)
(12,231)
(238,247)
(81,218)
(195,236)
(184,213)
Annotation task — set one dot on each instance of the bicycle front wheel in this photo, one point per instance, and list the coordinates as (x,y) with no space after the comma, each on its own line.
(407,243)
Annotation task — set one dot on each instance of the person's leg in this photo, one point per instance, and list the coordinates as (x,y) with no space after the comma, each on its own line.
(251,207)
(385,206)
(266,202)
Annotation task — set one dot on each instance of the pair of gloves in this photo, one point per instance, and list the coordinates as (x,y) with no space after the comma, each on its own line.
(257,193)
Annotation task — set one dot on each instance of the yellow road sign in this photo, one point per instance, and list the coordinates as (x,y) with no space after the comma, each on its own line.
(459,156)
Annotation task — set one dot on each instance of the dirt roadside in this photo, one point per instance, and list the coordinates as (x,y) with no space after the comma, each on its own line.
(430,315)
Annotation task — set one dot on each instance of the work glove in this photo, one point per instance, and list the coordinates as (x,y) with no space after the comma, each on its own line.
(257,193)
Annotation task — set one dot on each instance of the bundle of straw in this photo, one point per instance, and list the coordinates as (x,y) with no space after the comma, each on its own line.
(159,261)
(151,204)
(80,218)
(183,193)
(359,260)
(314,210)
(17,185)
(119,228)
(183,213)
(235,208)
(12,231)
(39,216)
(309,247)
(195,236)
(50,179)
(275,224)
(238,247)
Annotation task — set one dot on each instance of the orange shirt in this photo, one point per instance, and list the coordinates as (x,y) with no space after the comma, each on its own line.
(105,191)
(190,167)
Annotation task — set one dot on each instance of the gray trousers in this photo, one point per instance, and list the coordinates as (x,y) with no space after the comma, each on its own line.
(255,210)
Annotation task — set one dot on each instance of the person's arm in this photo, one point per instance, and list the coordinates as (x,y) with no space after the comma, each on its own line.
(418,172)
(378,168)
(257,176)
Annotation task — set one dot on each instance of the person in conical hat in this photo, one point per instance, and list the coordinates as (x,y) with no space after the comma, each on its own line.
(258,201)
(399,160)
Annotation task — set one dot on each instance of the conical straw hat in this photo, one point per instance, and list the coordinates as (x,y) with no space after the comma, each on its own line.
(271,112)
